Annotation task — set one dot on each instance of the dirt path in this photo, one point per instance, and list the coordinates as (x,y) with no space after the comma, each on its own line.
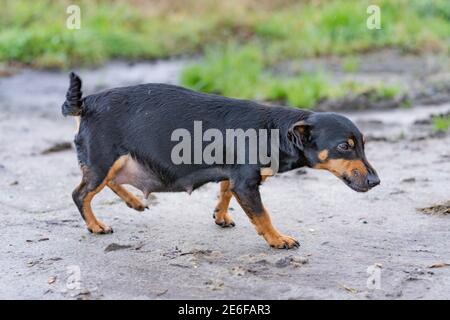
(174,249)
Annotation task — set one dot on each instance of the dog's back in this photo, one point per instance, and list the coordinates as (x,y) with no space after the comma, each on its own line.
(135,120)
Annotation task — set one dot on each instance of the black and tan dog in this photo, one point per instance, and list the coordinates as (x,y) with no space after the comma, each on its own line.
(124,137)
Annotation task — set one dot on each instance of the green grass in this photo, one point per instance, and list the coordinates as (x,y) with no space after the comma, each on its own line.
(240,71)
(233,72)
(34,32)
(441,123)
(337,28)
(388,92)
(351,64)
(241,39)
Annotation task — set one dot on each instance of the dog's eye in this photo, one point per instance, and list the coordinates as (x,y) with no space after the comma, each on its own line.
(343,146)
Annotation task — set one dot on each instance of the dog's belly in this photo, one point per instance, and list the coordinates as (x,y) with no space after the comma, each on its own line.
(146,180)
(140,177)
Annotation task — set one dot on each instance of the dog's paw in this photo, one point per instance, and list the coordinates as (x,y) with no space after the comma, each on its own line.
(99,228)
(223,219)
(283,242)
(225,224)
(136,205)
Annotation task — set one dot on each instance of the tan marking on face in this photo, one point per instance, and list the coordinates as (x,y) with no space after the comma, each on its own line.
(339,167)
(323,155)
(351,142)
(364,139)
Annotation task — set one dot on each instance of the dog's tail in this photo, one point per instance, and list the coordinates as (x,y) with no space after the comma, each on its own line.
(73,104)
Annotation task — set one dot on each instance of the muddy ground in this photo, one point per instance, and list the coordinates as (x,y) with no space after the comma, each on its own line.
(174,249)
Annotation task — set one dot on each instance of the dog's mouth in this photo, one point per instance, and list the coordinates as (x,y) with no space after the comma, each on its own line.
(355,186)
(354,179)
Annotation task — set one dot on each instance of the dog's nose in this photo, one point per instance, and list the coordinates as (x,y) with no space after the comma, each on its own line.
(373,180)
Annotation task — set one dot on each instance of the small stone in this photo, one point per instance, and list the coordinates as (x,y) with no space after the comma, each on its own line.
(300,260)
(51,280)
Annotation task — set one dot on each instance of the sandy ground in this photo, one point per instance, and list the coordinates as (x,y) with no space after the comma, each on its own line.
(174,249)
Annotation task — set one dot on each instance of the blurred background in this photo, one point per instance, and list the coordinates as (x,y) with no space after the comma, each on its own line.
(383,63)
(306,54)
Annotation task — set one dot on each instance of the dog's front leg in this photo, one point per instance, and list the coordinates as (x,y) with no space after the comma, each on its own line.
(221,214)
(249,198)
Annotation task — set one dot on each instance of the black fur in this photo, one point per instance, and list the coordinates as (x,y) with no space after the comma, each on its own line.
(72,105)
(139,121)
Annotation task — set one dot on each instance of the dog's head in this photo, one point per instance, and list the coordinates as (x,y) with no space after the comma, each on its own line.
(332,142)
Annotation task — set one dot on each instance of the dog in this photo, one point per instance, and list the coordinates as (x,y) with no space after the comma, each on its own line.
(124,137)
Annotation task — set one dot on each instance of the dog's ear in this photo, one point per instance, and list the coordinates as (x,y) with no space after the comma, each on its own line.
(299,133)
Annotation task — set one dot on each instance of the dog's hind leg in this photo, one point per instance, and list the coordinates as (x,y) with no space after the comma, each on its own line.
(130,199)
(83,195)
(221,215)
(93,182)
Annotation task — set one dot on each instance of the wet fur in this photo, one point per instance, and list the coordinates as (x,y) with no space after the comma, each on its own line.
(139,121)
(124,137)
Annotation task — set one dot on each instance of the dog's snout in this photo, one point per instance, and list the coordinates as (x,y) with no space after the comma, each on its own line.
(372,180)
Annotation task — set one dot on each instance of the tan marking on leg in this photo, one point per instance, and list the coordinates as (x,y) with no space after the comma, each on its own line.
(264,227)
(94,225)
(266,172)
(323,155)
(77,122)
(130,199)
(221,215)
